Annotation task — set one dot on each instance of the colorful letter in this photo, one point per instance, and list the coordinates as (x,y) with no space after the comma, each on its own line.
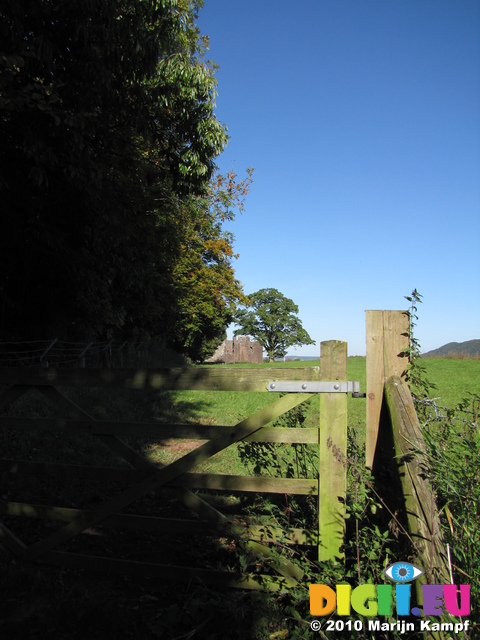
(450,596)
(402,593)
(343,599)
(432,599)
(362,595)
(322,599)
(384,596)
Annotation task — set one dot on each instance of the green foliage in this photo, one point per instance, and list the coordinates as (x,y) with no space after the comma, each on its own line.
(109,140)
(373,534)
(205,287)
(271,318)
(452,459)
(295,461)
(420,386)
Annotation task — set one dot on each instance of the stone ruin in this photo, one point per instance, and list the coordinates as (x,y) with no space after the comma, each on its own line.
(240,349)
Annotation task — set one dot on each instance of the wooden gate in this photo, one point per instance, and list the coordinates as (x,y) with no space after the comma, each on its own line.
(144,477)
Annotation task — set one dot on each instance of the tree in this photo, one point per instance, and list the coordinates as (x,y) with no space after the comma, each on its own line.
(108,132)
(271,318)
(206,290)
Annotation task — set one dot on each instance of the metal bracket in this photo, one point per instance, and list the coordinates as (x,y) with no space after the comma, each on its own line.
(280,386)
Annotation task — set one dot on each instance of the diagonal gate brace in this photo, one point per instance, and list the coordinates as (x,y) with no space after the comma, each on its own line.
(162,476)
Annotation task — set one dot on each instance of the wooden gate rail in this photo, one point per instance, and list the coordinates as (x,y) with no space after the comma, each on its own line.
(213,481)
(192,379)
(177,477)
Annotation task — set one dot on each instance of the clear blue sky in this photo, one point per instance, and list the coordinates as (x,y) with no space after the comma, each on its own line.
(362,121)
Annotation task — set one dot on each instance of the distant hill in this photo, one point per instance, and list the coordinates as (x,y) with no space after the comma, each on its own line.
(469,349)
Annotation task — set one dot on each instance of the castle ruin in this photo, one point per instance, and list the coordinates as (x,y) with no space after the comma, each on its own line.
(240,349)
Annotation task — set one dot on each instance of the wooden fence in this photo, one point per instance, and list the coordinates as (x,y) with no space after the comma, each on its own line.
(389,410)
(145,477)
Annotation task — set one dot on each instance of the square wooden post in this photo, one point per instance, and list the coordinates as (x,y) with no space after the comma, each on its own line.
(332,453)
(388,339)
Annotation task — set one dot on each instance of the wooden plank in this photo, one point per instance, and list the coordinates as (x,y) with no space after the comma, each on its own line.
(216,521)
(69,472)
(332,453)
(190,499)
(159,430)
(387,344)
(262,533)
(193,378)
(217,482)
(422,515)
(221,482)
(117,521)
(162,476)
(171,573)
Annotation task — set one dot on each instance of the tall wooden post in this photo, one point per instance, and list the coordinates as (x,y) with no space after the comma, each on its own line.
(388,338)
(332,454)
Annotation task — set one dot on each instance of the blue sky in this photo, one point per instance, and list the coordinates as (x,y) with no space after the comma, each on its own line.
(361,119)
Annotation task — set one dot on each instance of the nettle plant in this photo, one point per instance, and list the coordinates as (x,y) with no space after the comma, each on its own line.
(416,376)
(452,438)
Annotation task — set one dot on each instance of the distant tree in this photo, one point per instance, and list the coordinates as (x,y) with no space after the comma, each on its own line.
(271,318)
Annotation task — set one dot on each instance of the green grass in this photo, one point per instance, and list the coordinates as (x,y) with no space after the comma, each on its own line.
(453,378)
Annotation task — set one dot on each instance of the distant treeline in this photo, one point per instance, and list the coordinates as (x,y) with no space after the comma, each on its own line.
(466,350)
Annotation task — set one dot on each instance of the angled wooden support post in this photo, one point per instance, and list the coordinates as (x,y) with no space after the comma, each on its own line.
(388,340)
(333,451)
(420,505)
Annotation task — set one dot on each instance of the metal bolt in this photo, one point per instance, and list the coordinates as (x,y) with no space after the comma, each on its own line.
(272,385)
(336,387)
(304,386)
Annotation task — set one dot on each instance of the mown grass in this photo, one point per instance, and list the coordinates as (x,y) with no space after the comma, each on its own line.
(454,378)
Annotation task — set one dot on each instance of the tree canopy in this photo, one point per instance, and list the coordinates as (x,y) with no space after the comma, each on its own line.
(206,288)
(271,318)
(109,140)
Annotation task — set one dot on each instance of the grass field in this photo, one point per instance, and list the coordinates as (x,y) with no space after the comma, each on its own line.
(453,378)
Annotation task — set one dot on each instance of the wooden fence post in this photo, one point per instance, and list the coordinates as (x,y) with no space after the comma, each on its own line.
(388,339)
(332,454)
(420,506)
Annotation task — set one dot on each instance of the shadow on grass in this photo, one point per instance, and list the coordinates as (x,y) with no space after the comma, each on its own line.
(42,601)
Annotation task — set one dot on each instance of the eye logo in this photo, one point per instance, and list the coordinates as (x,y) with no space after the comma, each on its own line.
(402,572)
